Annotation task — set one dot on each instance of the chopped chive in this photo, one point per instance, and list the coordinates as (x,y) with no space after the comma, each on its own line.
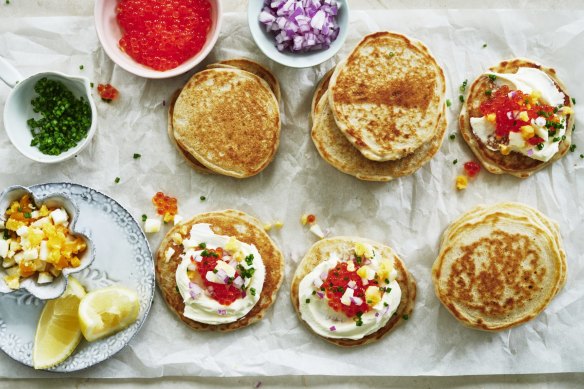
(448,103)
(492,77)
(385,304)
(461,98)
(573,100)
(27,215)
(582,156)
(391,53)
(455,162)
(540,146)
(91,84)
(488,92)
(463,86)
(81,67)
(202,198)
(572,148)
(405,317)
(144,217)
(117,180)
(307,301)
(452,136)
(484,45)
(252,291)
(177,291)
(387,280)
(202,245)
(215,271)
(136,155)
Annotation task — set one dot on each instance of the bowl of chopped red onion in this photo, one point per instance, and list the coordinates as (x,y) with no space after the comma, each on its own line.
(299,33)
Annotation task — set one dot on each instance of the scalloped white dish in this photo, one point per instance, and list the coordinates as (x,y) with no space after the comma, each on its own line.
(55,288)
(122,257)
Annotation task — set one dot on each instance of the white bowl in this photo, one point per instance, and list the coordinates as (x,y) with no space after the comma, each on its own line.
(18,110)
(109,33)
(57,287)
(266,42)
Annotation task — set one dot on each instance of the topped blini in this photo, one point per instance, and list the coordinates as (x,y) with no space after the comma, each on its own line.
(228,120)
(517,118)
(387,97)
(352,291)
(219,271)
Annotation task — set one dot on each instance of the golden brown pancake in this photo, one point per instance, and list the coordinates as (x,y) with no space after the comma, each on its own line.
(229,121)
(499,266)
(514,163)
(335,149)
(319,91)
(322,250)
(230,223)
(192,161)
(254,68)
(387,96)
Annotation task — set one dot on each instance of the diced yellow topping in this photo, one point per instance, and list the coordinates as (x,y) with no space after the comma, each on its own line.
(461,182)
(534,97)
(385,269)
(267,226)
(168,217)
(304,219)
(238,256)
(278,224)
(504,149)
(232,245)
(44,211)
(13,224)
(492,117)
(567,110)
(372,295)
(527,132)
(523,116)
(363,250)
(362,272)
(12,282)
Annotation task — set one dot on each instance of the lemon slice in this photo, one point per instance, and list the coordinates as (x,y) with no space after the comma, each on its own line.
(58,332)
(106,311)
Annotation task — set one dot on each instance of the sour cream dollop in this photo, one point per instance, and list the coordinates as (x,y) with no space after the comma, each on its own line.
(199,305)
(324,320)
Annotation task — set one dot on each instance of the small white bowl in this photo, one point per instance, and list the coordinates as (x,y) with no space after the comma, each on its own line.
(267,44)
(109,33)
(57,287)
(18,110)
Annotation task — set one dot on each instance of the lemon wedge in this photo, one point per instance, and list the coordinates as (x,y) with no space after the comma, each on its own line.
(58,332)
(106,311)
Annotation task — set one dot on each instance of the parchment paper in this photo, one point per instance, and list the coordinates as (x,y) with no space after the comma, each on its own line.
(409,214)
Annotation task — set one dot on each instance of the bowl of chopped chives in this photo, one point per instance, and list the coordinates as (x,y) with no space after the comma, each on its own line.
(49,117)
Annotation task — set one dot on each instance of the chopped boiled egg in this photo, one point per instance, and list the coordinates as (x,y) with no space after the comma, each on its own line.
(221,265)
(59,216)
(350,266)
(45,278)
(363,250)
(316,230)
(372,295)
(152,225)
(4,246)
(366,272)
(346,298)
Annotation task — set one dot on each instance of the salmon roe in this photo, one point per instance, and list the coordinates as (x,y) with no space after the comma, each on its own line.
(337,282)
(224,294)
(472,168)
(507,105)
(107,92)
(162,34)
(165,205)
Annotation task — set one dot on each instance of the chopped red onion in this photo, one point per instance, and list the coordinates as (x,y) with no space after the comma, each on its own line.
(333,328)
(320,294)
(222,311)
(356,300)
(530,152)
(238,282)
(352,284)
(323,275)
(301,25)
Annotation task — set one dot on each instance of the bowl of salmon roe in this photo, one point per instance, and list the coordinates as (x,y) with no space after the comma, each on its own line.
(157,38)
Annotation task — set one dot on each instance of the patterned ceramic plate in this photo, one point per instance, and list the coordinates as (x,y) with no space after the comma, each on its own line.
(123,257)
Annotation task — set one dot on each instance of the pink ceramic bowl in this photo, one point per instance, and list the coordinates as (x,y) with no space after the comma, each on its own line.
(109,34)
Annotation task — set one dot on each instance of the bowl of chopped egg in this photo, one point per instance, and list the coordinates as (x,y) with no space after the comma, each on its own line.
(39,244)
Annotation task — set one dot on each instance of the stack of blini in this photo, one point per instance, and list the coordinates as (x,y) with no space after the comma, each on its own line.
(226,119)
(499,266)
(380,114)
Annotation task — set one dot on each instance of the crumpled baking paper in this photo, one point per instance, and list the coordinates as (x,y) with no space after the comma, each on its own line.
(408,214)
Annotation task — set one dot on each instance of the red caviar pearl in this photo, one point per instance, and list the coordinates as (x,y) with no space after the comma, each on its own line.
(472,168)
